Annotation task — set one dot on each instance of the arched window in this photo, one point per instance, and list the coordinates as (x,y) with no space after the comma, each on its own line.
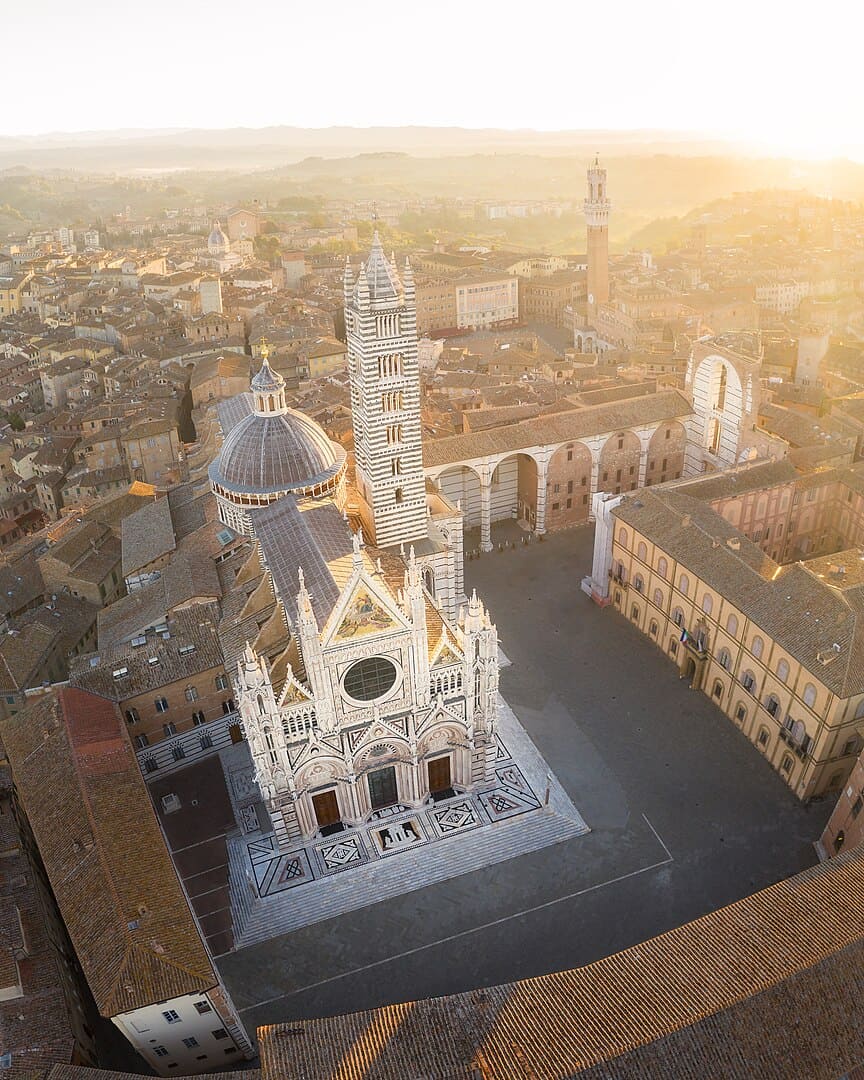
(707,603)
(398,495)
(757,646)
(718,689)
(684,584)
(652,629)
(634,613)
(662,568)
(732,624)
(658,597)
(678,616)
(809,695)
(772,704)
(623,537)
(132,716)
(638,583)
(724,659)
(720,400)
(642,551)
(782,670)
(748,681)
(673,647)
(429,580)
(262,708)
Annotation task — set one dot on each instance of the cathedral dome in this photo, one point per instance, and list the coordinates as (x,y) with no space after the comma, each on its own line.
(217,241)
(278,453)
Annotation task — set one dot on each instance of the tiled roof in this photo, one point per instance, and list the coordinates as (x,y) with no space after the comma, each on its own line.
(769,987)
(103,851)
(80,1072)
(147,535)
(557,428)
(803,614)
(22,655)
(191,647)
(712,487)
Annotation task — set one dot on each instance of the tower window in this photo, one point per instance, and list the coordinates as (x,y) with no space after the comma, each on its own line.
(396,467)
(398,495)
(394,434)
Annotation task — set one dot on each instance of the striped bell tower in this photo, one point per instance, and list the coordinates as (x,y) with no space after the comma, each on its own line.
(381,332)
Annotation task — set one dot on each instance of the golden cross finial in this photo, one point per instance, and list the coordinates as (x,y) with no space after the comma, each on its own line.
(263,348)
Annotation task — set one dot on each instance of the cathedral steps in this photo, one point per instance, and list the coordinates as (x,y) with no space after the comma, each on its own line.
(258,920)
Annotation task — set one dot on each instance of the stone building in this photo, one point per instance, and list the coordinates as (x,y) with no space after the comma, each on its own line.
(845,828)
(777,645)
(723,381)
(171,686)
(545,470)
(385,698)
(113,882)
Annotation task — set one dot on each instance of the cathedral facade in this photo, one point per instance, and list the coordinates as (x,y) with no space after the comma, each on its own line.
(385,699)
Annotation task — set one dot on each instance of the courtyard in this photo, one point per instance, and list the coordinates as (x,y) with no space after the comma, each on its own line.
(685,817)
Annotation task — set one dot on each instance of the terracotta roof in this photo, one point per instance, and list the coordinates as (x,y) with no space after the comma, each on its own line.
(80,1072)
(557,428)
(803,614)
(147,535)
(103,851)
(768,987)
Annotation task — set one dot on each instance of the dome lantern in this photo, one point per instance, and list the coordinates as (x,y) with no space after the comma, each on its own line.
(268,387)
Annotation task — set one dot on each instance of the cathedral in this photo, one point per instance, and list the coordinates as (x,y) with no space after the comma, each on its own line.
(385,699)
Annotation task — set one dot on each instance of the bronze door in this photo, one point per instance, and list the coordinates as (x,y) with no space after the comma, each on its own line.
(326,809)
(439,774)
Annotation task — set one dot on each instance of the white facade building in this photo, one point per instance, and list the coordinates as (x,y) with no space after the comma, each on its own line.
(487,302)
(723,381)
(385,699)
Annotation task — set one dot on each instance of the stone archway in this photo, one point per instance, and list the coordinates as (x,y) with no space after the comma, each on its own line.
(568,486)
(618,470)
(666,449)
(461,483)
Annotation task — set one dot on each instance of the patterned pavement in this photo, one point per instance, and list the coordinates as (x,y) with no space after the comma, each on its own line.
(392,832)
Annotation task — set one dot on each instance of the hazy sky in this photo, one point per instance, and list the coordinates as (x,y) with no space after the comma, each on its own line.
(784,75)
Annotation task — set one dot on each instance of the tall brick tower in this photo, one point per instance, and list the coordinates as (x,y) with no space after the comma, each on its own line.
(597,208)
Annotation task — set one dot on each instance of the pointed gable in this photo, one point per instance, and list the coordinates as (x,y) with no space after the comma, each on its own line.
(363,615)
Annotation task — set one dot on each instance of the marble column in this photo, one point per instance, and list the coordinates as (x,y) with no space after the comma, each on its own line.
(486,509)
(540,515)
(643,461)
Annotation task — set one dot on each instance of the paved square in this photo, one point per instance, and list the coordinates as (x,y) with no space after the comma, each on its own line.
(685,815)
